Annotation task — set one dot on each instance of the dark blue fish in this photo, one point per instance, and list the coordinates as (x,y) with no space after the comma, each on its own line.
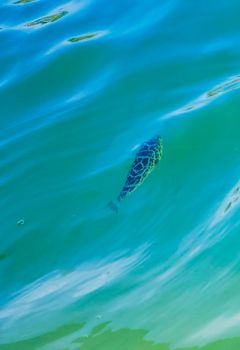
(146,159)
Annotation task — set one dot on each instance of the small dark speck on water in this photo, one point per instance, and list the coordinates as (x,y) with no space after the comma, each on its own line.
(21,222)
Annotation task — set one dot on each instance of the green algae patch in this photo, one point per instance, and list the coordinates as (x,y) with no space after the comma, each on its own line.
(47,19)
(3,256)
(231,84)
(211,93)
(77,39)
(22,2)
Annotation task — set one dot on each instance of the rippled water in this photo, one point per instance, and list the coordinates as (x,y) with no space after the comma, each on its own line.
(82,85)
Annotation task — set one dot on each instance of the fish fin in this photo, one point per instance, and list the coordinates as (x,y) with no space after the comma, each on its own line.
(113,206)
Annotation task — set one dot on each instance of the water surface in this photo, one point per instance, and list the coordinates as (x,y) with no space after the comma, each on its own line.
(82,85)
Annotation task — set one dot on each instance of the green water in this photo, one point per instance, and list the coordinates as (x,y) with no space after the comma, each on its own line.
(82,85)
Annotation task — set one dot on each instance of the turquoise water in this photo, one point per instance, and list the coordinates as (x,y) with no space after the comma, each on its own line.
(82,85)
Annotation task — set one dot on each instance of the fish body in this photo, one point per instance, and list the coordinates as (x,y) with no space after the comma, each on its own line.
(146,159)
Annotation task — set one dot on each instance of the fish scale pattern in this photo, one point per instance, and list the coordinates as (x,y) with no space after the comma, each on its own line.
(146,159)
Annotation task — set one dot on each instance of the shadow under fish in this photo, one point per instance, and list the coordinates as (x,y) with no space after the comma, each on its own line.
(146,159)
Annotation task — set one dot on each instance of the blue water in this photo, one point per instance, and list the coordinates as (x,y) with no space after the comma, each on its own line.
(82,85)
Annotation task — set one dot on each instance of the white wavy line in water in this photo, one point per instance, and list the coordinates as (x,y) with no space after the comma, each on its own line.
(56,290)
(129,24)
(216,329)
(203,237)
(29,126)
(229,85)
(95,85)
(3,82)
(229,204)
(135,147)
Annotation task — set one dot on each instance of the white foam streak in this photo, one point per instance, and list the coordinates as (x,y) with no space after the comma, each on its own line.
(215,329)
(202,237)
(228,205)
(57,290)
(229,85)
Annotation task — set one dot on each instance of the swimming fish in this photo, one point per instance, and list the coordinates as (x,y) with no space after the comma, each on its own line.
(146,159)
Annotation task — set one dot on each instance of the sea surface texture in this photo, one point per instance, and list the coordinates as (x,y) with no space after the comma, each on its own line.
(83,84)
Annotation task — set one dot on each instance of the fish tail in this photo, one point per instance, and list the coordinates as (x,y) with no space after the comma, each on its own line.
(113,206)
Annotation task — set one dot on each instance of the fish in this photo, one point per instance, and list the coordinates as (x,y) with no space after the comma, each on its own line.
(146,159)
